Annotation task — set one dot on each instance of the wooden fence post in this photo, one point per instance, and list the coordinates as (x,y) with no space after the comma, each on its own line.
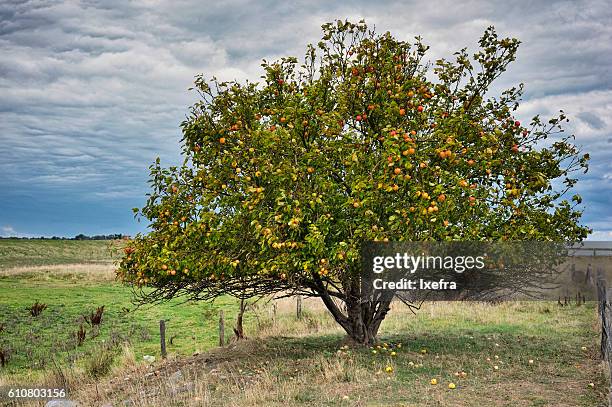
(298,307)
(221,328)
(162,337)
(608,337)
(605,313)
(602,310)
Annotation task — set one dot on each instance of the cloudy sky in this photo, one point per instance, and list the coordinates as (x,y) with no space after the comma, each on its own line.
(91,92)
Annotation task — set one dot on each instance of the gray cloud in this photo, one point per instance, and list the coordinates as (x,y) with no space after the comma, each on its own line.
(592,120)
(91,92)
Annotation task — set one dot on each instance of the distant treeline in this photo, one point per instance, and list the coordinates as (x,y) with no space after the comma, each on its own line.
(77,237)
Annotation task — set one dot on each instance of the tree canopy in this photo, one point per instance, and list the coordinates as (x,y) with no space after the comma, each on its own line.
(284,179)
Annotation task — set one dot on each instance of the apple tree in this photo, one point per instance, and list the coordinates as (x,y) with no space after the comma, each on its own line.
(284,179)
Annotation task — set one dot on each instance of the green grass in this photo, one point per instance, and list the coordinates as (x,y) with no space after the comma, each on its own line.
(26,253)
(70,292)
(33,341)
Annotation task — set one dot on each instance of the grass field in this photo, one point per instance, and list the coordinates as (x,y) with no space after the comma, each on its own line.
(193,326)
(285,361)
(76,289)
(28,253)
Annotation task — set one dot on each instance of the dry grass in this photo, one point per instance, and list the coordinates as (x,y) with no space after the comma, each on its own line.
(18,252)
(281,365)
(278,318)
(69,272)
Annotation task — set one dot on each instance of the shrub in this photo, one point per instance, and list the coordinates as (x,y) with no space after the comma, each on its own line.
(4,357)
(95,318)
(99,363)
(80,335)
(37,308)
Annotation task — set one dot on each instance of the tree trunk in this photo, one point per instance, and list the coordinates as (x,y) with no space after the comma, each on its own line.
(363,321)
(365,317)
(362,317)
